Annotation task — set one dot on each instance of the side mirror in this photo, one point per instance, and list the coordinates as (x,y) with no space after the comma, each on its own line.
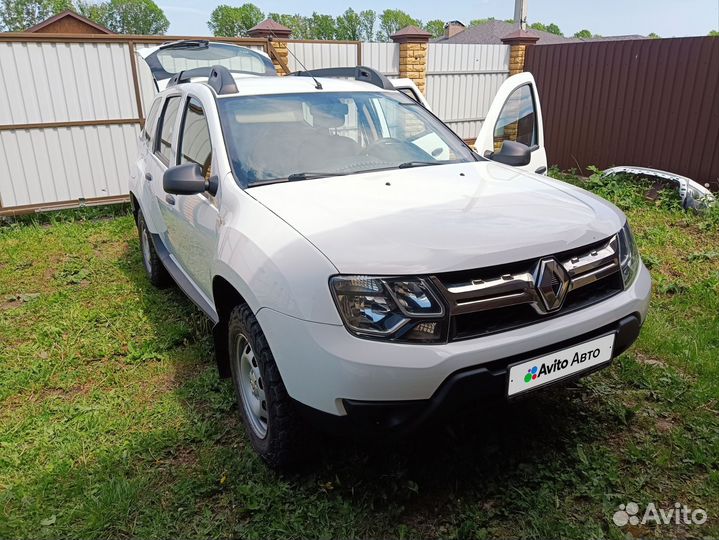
(512,153)
(187,179)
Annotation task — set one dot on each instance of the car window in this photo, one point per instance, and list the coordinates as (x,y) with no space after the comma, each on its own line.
(151,120)
(195,145)
(332,133)
(402,123)
(517,121)
(163,147)
(180,56)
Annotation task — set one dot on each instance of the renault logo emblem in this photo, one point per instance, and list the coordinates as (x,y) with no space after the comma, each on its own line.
(552,283)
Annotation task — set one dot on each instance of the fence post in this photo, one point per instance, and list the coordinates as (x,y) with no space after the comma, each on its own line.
(277,36)
(518,40)
(413,44)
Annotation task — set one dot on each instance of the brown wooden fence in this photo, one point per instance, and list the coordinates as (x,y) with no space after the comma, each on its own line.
(653,103)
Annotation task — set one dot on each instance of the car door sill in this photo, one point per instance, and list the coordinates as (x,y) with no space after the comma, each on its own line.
(182,280)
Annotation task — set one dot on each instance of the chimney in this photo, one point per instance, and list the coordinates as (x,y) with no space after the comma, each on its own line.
(452,28)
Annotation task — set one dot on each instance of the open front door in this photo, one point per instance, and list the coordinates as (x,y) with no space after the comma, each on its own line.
(515,115)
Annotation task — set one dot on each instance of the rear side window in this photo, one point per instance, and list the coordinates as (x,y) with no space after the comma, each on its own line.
(195,145)
(163,146)
(517,121)
(151,121)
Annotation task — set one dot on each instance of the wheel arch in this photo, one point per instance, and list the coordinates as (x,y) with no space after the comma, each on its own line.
(226,297)
(134,205)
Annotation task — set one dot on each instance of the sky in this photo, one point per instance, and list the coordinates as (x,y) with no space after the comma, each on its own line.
(668,18)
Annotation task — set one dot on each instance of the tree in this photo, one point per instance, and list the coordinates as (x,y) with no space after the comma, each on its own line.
(95,12)
(127,16)
(368,19)
(583,34)
(551,28)
(479,22)
(299,25)
(435,27)
(654,35)
(19,15)
(714,33)
(349,26)
(322,26)
(554,29)
(232,21)
(393,20)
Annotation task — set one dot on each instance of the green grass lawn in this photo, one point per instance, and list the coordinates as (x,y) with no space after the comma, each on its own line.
(113,422)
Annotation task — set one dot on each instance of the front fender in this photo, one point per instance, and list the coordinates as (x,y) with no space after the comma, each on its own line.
(270,264)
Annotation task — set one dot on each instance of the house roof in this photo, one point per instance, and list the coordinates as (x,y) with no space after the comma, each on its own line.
(409,32)
(492,33)
(269,28)
(66,16)
(269,24)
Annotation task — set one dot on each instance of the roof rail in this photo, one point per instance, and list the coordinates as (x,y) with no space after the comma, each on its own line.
(219,78)
(187,74)
(222,81)
(359,73)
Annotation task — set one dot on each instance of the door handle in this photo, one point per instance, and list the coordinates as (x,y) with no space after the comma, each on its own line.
(169,199)
(541,170)
(148,177)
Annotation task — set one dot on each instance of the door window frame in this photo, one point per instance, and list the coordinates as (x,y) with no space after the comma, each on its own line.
(535,127)
(159,127)
(181,135)
(181,131)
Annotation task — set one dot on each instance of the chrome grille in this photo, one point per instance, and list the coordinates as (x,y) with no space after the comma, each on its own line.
(489,301)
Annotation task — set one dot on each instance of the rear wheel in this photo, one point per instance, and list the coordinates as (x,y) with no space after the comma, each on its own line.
(156,271)
(269,415)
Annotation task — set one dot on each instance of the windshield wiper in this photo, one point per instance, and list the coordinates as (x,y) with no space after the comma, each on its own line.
(410,164)
(311,175)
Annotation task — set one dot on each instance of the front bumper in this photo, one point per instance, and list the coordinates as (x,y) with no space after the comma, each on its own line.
(325,368)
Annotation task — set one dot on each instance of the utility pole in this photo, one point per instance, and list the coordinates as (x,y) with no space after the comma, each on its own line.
(520,14)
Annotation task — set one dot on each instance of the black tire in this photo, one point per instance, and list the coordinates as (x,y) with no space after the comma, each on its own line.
(280,446)
(156,271)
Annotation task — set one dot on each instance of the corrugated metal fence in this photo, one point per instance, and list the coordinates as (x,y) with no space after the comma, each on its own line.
(71,106)
(462,81)
(653,103)
(321,54)
(70,111)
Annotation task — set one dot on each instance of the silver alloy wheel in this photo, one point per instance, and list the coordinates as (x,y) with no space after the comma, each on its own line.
(146,255)
(250,385)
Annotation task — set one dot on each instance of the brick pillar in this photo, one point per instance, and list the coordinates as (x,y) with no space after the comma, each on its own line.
(518,41)
(276,35)
(413,44)
(279,55)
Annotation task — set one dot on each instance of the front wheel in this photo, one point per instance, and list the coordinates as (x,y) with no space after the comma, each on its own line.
(269,415)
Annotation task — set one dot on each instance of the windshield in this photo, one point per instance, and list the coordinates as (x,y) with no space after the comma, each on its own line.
(299,136)
(186,55)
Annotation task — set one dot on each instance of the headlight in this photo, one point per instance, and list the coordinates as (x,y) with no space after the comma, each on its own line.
(403,309)
(628,255)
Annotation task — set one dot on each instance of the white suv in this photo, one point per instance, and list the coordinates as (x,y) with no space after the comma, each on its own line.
(362,265)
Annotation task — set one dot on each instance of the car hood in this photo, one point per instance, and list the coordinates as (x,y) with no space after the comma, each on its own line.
(439,218)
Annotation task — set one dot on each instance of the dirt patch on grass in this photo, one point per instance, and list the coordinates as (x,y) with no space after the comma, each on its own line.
(665,425)
(649,360)
(33,397)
